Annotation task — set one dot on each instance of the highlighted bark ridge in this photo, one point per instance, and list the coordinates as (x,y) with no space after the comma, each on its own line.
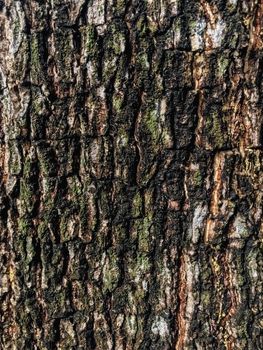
(131,174)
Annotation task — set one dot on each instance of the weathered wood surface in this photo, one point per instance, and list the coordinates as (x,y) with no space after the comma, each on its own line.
(131,174)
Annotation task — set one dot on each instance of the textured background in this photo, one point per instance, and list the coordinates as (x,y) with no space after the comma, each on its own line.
(131,174)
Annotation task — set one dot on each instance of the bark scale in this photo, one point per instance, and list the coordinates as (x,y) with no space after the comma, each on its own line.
(131,174)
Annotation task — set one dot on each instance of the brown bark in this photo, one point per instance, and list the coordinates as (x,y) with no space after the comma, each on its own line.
(131,174)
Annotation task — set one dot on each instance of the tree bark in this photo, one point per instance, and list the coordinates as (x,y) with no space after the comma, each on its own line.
(131,174)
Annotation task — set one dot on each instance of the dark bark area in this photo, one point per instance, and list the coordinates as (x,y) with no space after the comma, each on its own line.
(131,174)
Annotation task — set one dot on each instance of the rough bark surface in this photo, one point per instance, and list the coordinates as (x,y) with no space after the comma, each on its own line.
(131,174)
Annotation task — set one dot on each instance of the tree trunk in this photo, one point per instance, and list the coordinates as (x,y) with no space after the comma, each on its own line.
(131,174)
